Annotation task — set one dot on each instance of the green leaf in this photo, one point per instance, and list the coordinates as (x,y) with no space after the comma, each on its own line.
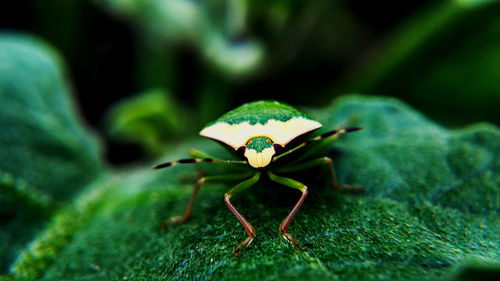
(43,140)
(148,119)
(208,26)
(431,206)
(46,154)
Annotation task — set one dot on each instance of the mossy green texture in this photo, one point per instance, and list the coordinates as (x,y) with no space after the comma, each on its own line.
(430,211)
(431,204)
(259,113)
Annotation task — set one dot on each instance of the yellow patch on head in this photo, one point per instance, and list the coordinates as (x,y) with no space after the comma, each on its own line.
(259,159)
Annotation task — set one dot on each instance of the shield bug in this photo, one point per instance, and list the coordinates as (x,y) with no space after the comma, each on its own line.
(266,136)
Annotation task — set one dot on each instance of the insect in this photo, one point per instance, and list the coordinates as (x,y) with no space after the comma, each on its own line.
(266,137)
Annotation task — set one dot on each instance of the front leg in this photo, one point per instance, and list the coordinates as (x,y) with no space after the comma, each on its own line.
(284,224)
(248,227)
(199,156)
(199,182)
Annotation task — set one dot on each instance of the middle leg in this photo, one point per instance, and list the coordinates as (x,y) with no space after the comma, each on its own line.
(318,162)
(199,182)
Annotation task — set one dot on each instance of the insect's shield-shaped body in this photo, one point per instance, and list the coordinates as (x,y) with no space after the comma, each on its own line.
(257,127)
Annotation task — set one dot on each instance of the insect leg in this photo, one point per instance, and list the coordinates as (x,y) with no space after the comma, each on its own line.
(223,163)
(248,227)
(195,153)
(332,134)
(318,162)
(199,182)
(284,224)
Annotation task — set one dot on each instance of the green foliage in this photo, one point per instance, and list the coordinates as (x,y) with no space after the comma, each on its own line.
(149,119)
(446,54)
(431,205)
(431,209)
(209,26)
(43,141)
(46,155)
(430,54)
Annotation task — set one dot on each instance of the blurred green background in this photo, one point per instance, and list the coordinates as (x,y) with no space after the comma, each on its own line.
(148,72)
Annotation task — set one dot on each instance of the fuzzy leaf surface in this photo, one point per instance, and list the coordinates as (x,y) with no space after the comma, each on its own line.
(430,212)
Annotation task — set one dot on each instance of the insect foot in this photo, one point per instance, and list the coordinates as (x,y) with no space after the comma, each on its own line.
(291,240)
(171,220)
(243,244)
(354,188)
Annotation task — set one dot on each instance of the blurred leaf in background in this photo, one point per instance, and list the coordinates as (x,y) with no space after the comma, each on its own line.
(445,60)
(214,29)
(443,53)
(42,140)
(47,155)
(213,55)
(211,26)
(150,120)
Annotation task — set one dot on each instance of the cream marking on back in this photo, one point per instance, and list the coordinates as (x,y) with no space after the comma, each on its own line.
(236,135)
